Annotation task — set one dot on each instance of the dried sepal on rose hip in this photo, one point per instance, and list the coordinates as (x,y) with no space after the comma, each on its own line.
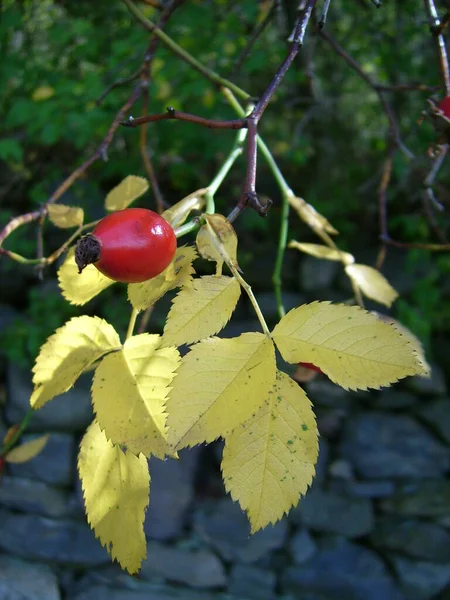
(129,246)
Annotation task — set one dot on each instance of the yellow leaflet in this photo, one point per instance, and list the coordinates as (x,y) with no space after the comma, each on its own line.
(27,451)
(268,462)
(65,216)
(79,288)
(177,214)
(116,488)
(413,340)
(217,241)
(126,192)
(201,310)
(69,352)
(177,274)
(325,252)
(129,393)
(44,92)
(310,216)
(372,283)
(354,348)
(219,385)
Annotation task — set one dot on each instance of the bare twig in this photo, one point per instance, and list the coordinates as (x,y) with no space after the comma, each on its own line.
(119,83)
(435,26)
(323,18)
(183,116)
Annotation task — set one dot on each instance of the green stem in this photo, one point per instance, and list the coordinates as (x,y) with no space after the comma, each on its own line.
(208,73)
(132,323)
(235,152)
(253,300)
(188,227)
(15,438)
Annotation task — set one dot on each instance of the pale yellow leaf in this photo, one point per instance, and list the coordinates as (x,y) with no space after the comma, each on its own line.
(129,393)
(43,92)
(268,462)
(325,252)
(310,216)
(177,214)
(27,451)
(177,274)
(126,192)
(116,487)
(219,385)
(69,352)
(65,216)
(413,340)
(372,283)
(79,288)
(201,310)
(354,348)
(217,241)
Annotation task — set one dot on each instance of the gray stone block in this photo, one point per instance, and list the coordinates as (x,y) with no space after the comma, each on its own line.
(20,580)
(55,465)
(70,412)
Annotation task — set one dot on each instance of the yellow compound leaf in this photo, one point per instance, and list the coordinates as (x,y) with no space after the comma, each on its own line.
(177,214)
(201,310)
(65,216)
(354,348)
(126,192)
(219,385)
(69,352)
(268,462)
(116,487)
(129,393)
(79,288)
(372,283)
(177,274)
(325,252)
(309,215)
(27,451)
(217,241)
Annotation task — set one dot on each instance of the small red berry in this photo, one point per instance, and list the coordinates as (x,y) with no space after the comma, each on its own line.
(444,105)
(130,246)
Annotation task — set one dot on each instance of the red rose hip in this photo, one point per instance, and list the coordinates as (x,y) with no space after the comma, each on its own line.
(130,246)
(444,105)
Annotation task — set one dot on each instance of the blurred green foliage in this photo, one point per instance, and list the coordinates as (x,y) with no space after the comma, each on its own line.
(325,127)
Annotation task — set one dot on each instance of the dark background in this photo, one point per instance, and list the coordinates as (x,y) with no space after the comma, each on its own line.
(377,522)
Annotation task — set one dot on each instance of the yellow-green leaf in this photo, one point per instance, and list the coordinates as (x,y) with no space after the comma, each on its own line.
(177,214)
(268,462)
(354,348)
(129,393)
(413,340)
(27,451)
(372,283)
(310,216)
(65,216)
(219,385)
(217,241)
(116,487)
(69,352)
(201,310)
(325,252)
(43,92)
(126,192)
(177,274)
(79,288)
